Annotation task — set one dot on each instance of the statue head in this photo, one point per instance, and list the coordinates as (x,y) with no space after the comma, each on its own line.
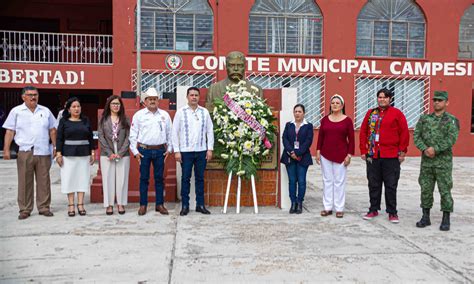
(235,65)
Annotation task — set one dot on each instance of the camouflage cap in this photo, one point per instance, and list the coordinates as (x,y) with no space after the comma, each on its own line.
(441,95)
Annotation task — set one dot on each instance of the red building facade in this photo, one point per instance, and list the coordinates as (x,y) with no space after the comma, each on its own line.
(350,47)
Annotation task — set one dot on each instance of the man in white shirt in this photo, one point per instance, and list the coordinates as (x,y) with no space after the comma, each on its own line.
(150,142)
(193,143)
(32,127)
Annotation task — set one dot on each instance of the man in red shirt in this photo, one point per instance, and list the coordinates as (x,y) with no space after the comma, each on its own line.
(383,145)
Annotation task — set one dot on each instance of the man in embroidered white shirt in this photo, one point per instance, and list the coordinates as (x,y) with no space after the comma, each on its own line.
(32,126)
(193,143)
(150,142)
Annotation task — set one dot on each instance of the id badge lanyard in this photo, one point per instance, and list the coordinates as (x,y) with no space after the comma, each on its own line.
(377,128)
(297,143)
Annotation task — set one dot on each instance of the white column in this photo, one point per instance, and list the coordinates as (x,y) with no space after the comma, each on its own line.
(289,98)
(180,102)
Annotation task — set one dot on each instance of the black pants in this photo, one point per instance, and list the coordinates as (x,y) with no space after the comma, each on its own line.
(384,171)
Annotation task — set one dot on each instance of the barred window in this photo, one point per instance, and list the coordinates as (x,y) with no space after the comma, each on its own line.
(310,91)
(411,96)
(284,26)
(391,28)
(181,25)
(466,34)
(168,82)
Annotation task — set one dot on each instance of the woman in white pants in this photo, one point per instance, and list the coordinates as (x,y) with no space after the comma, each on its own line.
(334,151)
(114,130)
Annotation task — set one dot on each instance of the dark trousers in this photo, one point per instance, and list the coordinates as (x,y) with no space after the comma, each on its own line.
(384,171)
(156,158)
(296,176)
(198,161)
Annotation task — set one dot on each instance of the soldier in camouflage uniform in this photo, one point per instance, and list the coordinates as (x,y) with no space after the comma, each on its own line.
(435,135)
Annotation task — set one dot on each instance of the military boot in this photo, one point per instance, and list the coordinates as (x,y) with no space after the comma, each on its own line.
(425,219)
(445,222)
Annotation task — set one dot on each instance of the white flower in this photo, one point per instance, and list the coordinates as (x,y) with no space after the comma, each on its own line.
(231,144)
(242,83)
(225,119)
(224,156)
(240,173)
(237,133)
(221,141)
(246,93)
(248,145)
(235,153)
(248,111)
(264,122)
(265,152)
(269,111)
(254,88)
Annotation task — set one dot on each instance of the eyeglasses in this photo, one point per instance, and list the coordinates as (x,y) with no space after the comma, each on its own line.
(437,100)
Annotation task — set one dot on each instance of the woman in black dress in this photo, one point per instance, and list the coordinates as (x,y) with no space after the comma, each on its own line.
(75,154)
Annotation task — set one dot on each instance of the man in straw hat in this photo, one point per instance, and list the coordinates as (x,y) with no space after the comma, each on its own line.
(150,142)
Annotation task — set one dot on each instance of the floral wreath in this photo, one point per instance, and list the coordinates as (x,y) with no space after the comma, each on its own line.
(243,128)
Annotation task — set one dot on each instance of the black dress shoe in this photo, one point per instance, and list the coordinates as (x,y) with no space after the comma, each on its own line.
(184,211)
(202,209)
(47,213)
(299,208)
(293,208)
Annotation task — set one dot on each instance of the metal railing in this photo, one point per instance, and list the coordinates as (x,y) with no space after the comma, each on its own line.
(411,95)
(311,90)
(37,47)
(167,82)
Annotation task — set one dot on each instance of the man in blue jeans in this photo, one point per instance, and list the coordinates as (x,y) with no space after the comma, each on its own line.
(150,143)
(193,142)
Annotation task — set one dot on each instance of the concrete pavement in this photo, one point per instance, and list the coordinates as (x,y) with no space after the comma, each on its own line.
(272,246)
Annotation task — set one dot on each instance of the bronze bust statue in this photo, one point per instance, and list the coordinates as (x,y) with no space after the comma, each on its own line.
(235,65)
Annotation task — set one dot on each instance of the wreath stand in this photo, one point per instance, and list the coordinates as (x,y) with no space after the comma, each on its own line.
(239,186)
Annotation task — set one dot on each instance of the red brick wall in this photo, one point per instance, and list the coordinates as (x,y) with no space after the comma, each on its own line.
(215,183)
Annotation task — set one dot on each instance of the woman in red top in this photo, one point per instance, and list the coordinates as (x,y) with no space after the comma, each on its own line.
(334,151)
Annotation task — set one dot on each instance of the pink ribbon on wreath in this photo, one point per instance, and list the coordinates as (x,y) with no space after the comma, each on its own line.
(248,119)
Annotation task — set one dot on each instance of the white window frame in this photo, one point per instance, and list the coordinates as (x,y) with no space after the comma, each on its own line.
(466,39)
(285,14)
(175,10)
(391,20)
